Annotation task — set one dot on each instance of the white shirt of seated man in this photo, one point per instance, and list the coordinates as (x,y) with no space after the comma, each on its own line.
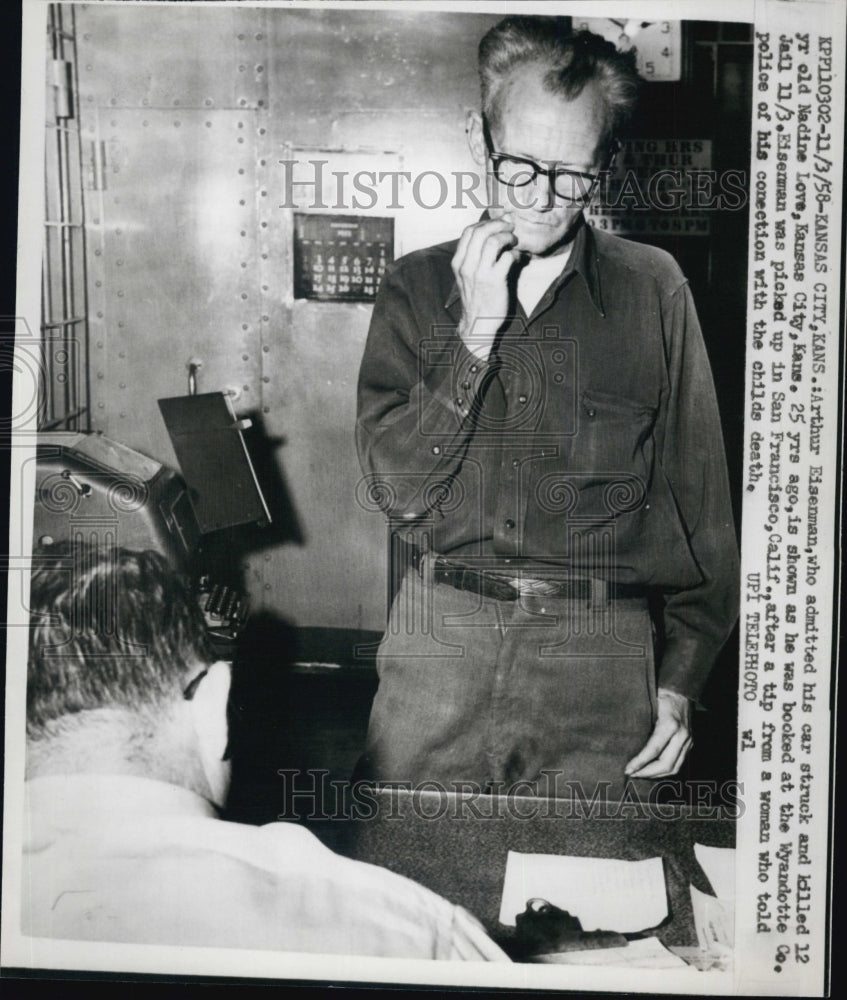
(124,843)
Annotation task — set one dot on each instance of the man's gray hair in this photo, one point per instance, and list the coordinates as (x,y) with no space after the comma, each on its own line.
(569,62)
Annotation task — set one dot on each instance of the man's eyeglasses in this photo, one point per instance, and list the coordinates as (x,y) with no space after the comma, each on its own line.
(518,171)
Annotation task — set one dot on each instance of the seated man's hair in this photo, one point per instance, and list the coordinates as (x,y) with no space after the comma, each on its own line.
(109,628)
(570,61)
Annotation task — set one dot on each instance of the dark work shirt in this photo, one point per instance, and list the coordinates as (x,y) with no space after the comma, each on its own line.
(588,444)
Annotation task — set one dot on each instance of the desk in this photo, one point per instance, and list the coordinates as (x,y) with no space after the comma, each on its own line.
(457,846)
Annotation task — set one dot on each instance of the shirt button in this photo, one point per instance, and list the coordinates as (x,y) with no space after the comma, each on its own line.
(460,401)
(510,523)
(592,413)
(474,369)
(516,462)
(522,398)
(436,450)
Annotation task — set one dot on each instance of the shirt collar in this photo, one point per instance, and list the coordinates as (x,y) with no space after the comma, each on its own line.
(83,799)
(584,260)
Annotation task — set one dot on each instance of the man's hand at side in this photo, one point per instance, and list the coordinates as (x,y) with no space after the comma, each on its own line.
(669,742)
(481,265)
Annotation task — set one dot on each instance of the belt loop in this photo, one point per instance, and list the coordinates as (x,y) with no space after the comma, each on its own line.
(599,595)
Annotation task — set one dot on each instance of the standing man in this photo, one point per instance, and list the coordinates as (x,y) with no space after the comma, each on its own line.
(537,417)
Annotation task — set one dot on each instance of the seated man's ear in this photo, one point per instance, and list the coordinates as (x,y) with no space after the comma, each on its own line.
(209,716)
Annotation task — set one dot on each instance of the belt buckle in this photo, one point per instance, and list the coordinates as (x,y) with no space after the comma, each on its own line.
(598,595)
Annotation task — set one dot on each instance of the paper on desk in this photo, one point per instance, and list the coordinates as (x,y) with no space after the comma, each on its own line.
(719,865)
(646,953)
(605,894)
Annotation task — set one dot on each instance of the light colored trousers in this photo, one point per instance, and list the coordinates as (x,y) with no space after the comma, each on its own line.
(496,693)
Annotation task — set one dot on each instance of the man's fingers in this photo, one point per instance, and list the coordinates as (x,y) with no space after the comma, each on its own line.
(668,761)
(492,249)
(659,738)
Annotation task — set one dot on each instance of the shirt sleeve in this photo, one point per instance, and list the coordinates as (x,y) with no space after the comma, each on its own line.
(418,394)
(470,943)
(697,620)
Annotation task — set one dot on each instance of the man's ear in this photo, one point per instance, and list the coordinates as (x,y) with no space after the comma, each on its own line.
(208,709)
(476,139)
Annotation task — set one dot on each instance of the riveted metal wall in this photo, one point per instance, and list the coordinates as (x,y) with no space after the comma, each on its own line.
(186,112)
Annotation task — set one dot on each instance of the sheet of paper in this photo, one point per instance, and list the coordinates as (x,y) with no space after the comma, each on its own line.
(604,893)
(714,921)
(719,865)
(646,953)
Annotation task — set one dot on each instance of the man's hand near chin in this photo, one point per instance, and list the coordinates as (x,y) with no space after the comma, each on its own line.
(669,742)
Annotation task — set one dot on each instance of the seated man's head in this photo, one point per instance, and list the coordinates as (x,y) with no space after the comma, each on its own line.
(120,677)
(556,99)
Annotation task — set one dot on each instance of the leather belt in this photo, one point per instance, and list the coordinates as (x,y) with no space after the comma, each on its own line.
(501,587)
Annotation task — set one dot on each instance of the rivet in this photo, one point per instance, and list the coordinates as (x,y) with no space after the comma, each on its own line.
(264,256)
(244,263)
(242,102)
(246,388)
(176,103)
(89,67)
(259,37)
(241,170)
(241,38)
(99,315)
(241,201)
(240,139)
(436,450)
(97,253)
(264,288)
(120,295)
(244,295)
(145,123)
(123,414)
(145,102)
(265,319)
(260,69)
(118,263)
(243,232)
(262,131)
(244,326)
(264,194)
(208,102)
(266,409)
(264,225)
(97,284)
(241,69)
(99,343)
(176,124)
(260,104)
(262,163)
(265,348)
(241,124)
(121,324)
(100,375)
(208,124)
(101,406)
(123,385)
(265,378)
(267,586)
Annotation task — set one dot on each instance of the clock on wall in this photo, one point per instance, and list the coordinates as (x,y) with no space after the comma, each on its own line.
(657,44)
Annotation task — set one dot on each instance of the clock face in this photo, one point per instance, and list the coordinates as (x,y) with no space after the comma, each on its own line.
(657,44)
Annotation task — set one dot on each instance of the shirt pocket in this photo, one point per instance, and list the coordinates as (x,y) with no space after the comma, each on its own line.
(614,435)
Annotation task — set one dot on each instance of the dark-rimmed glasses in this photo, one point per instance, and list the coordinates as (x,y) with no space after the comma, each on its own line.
(518,171)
